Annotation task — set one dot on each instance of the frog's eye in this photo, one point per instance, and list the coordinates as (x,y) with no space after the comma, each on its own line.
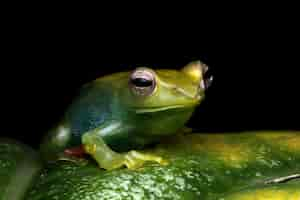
(142,81)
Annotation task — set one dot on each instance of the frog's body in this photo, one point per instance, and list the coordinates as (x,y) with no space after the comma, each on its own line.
(92,109)
(127,111)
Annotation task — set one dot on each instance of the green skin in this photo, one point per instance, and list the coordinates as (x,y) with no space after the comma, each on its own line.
(111,120)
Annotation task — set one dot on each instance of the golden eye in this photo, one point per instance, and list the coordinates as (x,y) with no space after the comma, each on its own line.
(142,81)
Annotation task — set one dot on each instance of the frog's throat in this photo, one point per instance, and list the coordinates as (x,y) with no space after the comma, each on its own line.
(158,109)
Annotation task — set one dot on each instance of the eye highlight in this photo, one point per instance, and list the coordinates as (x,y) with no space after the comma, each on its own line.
(142,81)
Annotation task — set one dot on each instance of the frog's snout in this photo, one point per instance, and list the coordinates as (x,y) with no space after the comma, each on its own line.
(199,73)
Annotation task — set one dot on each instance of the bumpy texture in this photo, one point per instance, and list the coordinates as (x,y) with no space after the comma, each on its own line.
(201,166)
(288,191)
(18,167)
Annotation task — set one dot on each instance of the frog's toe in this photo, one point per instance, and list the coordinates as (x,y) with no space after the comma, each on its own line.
(134,159)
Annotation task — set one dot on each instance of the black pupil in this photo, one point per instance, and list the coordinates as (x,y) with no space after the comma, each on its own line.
(141,82)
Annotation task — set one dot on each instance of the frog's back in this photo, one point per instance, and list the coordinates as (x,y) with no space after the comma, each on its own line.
(92,107)
(89,110)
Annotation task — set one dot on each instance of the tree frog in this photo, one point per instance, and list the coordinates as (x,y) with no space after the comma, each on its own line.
(115,116)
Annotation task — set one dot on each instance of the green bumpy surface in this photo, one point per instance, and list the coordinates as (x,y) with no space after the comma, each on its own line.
(287,191)
(201,166)
(19,165)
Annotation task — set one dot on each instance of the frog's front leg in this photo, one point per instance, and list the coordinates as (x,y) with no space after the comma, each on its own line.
(109,159)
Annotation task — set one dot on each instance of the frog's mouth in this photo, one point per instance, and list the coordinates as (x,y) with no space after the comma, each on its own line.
(163,108)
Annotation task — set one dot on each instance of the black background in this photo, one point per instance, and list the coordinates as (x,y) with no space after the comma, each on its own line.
(256,83)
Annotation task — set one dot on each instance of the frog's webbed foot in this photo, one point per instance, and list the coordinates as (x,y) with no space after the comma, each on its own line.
(105,157)
(134,159)
(131,160)
(108,159)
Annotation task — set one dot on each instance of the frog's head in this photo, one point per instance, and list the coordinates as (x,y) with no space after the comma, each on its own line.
(160,90)
(167,95)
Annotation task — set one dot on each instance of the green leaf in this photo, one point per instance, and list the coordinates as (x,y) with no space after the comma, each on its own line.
(19,165)
(201,166)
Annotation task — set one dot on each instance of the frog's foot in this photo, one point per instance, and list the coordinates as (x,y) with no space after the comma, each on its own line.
(131,159)
(104,157)
(109,159)
(134,159)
